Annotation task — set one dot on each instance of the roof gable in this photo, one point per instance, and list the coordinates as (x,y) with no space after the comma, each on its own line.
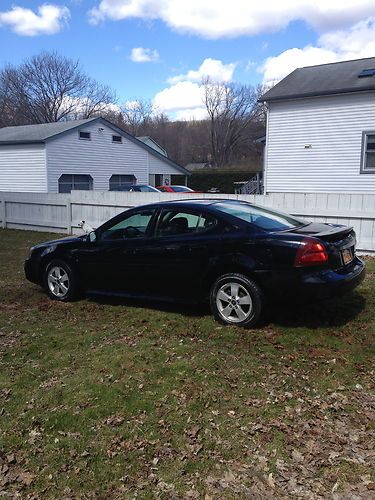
(325,79)
(148,148)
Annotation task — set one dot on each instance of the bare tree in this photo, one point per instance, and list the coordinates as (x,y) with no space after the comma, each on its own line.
(231,109)
(7,113)
(138,115)
(49,88)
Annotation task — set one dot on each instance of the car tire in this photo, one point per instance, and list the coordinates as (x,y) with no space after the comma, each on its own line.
(59,281)
(236,300)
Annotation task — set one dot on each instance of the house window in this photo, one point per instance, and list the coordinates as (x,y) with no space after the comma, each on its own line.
(116,181)
(68,182)
(368,148)
(116,138)
(85,135)
(158,179)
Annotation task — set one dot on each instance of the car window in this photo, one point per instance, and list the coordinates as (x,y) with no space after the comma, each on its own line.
(262,218)
(173,223)
(132,226)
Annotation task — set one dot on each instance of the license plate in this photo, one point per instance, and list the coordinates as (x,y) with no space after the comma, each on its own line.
(347,255)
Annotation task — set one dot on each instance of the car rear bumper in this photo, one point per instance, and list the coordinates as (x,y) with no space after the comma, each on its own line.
(317,285)
(330,283)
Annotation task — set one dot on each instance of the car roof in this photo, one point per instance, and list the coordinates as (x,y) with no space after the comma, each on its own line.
(191,203)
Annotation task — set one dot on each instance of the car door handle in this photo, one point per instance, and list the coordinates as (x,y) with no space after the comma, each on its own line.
(197,248)
(129,251)
(172,248)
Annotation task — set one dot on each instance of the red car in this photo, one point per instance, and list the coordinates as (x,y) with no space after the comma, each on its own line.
(176,189)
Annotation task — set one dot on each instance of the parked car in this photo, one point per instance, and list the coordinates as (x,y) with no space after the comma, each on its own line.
(234,254)
(140,188)
(176,189)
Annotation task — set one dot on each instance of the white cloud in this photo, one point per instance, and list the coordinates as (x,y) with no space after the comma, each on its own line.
(340,45)
(80,105)
(179,97)
(184,98)
(213,68)
(48,20)
(141,55)
(220,18)
(182,101)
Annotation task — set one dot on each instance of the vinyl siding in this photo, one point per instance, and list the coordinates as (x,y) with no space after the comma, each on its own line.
(98,157)
(157,166)
(23,168)
(333,126)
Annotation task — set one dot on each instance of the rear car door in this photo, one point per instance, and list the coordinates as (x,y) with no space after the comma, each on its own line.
(185,244)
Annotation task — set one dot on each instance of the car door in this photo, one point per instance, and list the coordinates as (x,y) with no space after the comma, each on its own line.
(179,255)
(113,261)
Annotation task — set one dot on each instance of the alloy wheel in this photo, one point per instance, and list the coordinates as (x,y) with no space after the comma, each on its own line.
(234,302)
(58,281)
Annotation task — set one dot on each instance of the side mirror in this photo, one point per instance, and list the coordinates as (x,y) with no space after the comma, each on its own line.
(92,236)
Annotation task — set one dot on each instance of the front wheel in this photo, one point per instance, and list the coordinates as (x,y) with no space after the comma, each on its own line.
(59,281)
(236,300)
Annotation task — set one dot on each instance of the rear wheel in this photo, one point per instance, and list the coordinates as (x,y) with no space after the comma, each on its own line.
(236,300)
(59,281)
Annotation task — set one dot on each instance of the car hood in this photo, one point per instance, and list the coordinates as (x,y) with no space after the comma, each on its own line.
(67,239)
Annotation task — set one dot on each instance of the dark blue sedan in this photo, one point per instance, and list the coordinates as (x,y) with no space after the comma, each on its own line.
(234,254)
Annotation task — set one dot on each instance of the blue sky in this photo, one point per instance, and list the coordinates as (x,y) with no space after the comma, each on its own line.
(160,49)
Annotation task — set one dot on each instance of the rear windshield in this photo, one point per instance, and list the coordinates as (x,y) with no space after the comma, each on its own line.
(262,218)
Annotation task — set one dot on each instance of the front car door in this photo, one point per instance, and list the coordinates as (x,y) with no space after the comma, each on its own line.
(114,262)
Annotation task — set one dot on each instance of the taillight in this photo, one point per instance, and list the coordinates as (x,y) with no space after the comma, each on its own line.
(311,253)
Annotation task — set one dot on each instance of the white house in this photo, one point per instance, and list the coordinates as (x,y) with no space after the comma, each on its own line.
(90,154)
(321,129)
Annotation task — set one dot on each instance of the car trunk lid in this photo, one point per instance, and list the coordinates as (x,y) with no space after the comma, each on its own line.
(340,241)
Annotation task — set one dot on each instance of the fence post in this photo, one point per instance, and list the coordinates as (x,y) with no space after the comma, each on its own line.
(3,213)
(69,215)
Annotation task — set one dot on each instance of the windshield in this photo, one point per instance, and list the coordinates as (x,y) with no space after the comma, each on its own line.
(262,218)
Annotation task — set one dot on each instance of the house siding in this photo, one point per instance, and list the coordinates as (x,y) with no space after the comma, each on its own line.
(23,168)
(157,166)
(333,126)
(98,157)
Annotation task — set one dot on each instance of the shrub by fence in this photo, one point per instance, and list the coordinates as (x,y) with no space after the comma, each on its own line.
(203,180)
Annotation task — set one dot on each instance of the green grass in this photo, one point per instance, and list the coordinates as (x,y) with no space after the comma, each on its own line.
(108,398)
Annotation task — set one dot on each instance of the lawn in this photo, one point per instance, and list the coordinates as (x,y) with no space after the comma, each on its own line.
(113,399)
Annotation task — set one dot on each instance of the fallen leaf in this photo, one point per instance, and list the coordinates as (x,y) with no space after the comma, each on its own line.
(26,478)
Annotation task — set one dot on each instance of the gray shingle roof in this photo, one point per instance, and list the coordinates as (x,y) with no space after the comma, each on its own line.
(325,79)
(38,133)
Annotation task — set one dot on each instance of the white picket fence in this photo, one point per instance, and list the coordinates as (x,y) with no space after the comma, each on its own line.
(61,213)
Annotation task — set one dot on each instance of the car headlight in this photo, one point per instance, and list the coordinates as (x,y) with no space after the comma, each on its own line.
(31,249)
